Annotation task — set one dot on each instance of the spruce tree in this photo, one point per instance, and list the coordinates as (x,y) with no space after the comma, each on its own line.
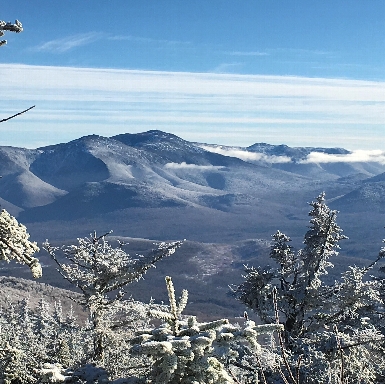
(326,326)
(101,272)
(184,350)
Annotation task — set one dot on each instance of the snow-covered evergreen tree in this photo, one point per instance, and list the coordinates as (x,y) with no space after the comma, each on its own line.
(186,351)
(327,326)
(29,340)
(101,272)
(48,345)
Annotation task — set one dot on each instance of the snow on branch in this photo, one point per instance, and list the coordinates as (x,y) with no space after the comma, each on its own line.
(11,27)
(184,350)
(15,244)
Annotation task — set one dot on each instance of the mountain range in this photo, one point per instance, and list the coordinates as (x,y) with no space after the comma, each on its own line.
(159,186)
(226,201)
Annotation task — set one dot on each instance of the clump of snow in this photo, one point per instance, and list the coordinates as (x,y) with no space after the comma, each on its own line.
(53,373)
(89,374)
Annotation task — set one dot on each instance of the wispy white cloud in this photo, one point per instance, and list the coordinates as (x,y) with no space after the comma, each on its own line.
(184,165)
(246,53)
(232,109)
(68,43)
(301,52)
(246,155)
(148,40)
(227,67)
(220,87)
(375,156)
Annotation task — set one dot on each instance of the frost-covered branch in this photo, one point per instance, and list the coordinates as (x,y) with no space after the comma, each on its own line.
(186,351)
(97,268)
(15,244)
(11,27)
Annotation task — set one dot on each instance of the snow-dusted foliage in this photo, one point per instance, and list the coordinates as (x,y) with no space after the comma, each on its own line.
(47,345)
(7,26)
(31,340)
(102,272)
(186,351)
(15,244)
(327,326)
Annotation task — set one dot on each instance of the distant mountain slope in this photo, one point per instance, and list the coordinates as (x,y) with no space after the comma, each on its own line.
(378,178)
(70,165)
(295,153)
(95,175)
(15,289)
(27,190)
(96,199)
(333,169)
(13,160)
(370,197)
(171,148)
(155,185)
(158,185)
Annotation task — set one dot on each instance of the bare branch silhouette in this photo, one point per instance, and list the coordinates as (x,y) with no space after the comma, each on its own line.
(17,114)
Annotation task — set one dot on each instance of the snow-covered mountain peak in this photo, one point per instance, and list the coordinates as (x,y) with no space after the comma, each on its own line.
(296,154)
(155,140)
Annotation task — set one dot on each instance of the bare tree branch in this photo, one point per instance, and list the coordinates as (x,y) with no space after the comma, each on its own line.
(17,114)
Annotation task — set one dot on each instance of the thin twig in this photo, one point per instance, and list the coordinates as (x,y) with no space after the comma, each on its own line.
(245,367)
(298,367)
(261,369)
(51,252)
(138,367)
(283,350)
(17,114)
(341,355)
(234,378)
(95,239)
(283,376)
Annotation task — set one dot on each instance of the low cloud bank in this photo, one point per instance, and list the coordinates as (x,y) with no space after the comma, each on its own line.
(247,155)
(359,156)
(184,165)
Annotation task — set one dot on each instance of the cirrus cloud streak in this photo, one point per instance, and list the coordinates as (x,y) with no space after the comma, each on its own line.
(276,109)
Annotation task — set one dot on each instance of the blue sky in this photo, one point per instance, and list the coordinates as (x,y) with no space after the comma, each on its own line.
(299,72)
